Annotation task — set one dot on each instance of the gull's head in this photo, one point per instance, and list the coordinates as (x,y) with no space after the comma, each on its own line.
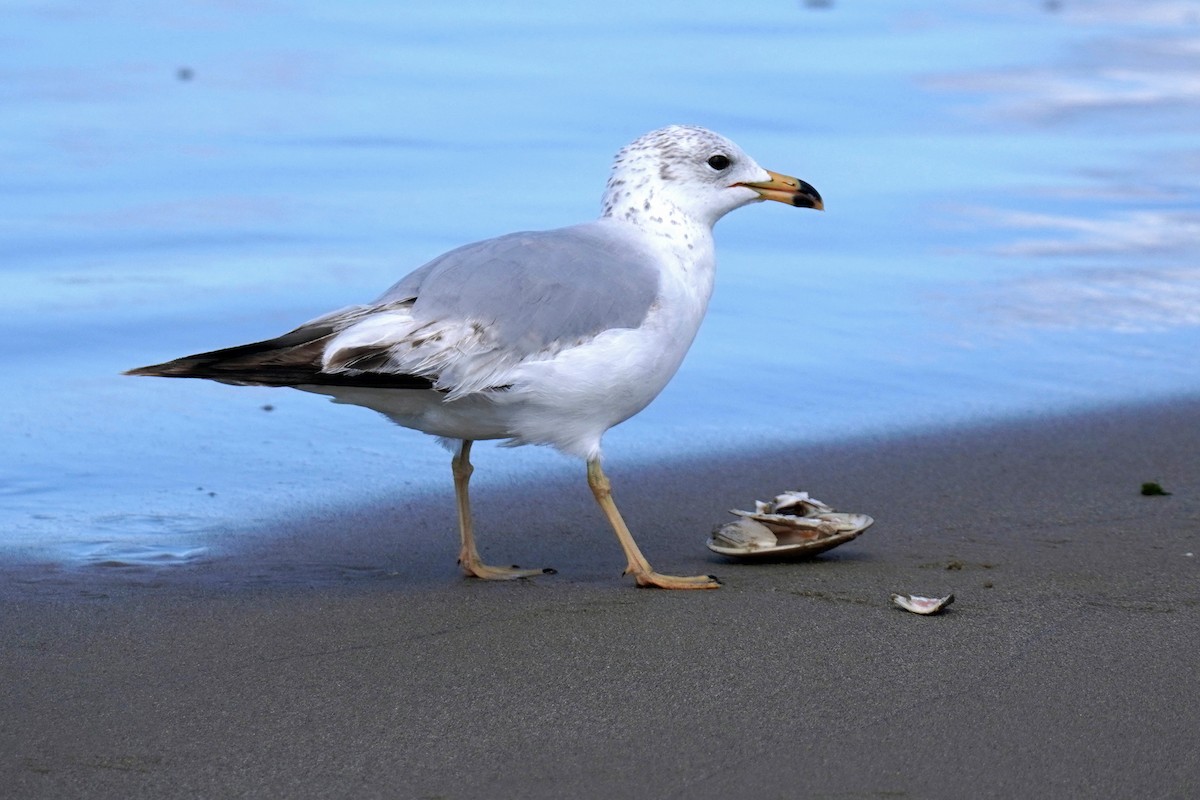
(683,170)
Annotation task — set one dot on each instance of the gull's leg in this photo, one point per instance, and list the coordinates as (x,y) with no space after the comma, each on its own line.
(468,557)
(638,567)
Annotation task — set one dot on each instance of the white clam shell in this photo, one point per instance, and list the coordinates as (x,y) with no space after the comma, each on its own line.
(743,535)
(922,605)
(793,524)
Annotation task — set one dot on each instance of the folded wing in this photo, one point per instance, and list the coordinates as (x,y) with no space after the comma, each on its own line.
(460,323)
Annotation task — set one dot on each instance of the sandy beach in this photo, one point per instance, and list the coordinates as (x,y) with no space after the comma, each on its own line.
(324,660)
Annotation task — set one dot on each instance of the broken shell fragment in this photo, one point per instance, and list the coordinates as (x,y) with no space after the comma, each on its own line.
(795,504)
(922,605)
(744,534)
(793,524)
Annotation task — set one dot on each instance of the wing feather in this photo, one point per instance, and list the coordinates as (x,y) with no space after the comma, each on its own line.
(461,322)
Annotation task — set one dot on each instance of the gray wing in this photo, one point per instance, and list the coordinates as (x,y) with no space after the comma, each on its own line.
(523,293)
(537,290)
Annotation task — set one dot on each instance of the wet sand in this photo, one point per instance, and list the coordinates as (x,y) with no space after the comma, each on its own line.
(341,655)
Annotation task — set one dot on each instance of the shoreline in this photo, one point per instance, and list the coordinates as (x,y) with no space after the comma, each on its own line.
(343,654)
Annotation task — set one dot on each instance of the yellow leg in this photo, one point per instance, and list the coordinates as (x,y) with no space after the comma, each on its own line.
(468,556)
(638,567)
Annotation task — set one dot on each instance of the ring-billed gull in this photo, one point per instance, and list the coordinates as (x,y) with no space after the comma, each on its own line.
(548,337)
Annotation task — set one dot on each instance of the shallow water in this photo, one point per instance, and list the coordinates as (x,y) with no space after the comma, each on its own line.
(1012,226)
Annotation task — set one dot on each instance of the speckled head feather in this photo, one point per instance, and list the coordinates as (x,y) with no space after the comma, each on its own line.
(681,169)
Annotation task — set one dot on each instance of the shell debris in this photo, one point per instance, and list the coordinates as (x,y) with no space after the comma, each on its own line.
(922,605)
(793,524)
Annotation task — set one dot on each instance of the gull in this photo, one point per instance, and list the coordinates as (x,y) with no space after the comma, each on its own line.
(540,337)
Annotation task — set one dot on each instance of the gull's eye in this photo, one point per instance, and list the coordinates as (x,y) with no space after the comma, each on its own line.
(718,162)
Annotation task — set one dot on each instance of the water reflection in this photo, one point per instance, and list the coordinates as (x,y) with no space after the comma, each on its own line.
(1119,299)
(1144,233)
(1114,244)
(1136,66)
(1148,12)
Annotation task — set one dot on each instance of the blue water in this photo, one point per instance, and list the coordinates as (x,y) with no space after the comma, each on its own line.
(1012,226)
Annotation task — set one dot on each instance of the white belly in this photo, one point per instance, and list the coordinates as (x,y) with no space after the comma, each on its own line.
(567,400)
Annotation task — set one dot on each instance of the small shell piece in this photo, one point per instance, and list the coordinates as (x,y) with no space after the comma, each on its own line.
(922,605)
(744,535)
(793,524)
